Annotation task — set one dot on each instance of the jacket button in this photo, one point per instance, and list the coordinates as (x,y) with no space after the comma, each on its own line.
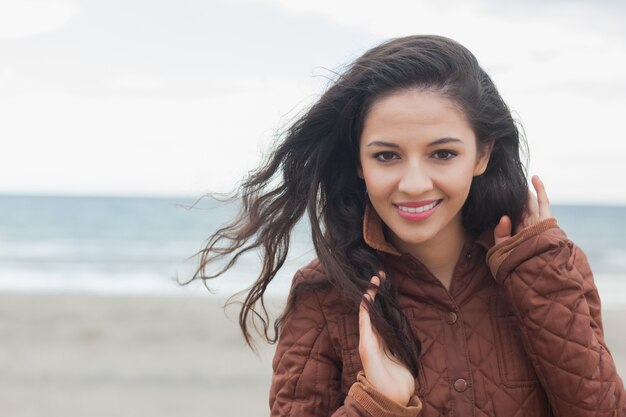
(451,317)
(460,385)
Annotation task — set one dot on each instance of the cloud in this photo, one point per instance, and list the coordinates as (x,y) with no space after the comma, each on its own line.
(199,86)
(556,37)
(28,18)
(187,46)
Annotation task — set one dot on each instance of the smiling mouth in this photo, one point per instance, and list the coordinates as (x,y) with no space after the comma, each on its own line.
(420,209)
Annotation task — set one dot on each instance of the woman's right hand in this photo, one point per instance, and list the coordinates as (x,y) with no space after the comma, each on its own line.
(385,372)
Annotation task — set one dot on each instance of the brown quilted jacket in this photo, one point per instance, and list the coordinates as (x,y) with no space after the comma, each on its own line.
(528,343)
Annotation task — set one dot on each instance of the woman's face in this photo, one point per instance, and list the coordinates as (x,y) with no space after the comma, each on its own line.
(418,156)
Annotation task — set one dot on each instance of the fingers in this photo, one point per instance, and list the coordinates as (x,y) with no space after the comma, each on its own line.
(366,333)
(368,339)
(537,208)
(385,372)
(543,203)
(503,229)
(370,293)
(532,208)
(368,299)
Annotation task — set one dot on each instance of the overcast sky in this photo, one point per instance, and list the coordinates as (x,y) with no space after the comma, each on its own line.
(137,97)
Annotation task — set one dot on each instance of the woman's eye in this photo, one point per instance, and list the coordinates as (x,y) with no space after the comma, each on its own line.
(385,156)
(444,154)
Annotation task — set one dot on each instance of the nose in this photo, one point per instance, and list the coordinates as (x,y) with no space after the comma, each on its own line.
(415,179)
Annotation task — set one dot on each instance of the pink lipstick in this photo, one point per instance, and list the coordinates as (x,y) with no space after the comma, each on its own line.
(416,210)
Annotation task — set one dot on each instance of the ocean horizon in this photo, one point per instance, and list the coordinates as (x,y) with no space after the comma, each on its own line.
(142,245)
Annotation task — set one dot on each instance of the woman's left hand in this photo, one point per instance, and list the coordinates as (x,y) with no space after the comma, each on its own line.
(537,209)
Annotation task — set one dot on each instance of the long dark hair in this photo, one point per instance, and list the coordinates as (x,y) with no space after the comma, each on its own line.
(314,169)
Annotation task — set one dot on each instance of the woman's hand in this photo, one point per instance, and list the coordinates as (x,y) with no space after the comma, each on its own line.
(537,209)
(382,370)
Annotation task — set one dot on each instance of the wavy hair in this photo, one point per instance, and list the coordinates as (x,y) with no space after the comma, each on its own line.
(314,167)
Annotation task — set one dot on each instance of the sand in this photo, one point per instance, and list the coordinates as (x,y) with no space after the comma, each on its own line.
(87,355)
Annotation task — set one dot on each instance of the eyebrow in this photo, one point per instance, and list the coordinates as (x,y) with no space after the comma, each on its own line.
(440,141)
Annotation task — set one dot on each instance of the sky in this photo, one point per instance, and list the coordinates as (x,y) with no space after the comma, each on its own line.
(181,98)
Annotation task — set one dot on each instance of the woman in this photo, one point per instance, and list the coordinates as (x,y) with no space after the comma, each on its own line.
(442,286)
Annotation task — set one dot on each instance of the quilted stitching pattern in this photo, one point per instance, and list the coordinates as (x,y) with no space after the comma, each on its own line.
(492,392)
(554,298)
(528,343)
(305,353)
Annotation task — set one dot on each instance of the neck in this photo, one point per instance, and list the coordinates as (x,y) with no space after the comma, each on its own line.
(441,263)
(439,254)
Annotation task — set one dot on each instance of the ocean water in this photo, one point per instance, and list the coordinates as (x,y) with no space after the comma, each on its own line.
(124,245)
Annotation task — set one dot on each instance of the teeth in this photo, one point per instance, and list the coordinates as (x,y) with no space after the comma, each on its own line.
(419,209)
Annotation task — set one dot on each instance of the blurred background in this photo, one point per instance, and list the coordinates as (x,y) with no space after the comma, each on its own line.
(116,117)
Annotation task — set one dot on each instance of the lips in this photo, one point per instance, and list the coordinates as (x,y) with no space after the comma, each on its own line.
(413,208)
(418,210)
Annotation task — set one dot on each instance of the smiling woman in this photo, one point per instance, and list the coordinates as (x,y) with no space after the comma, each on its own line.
(423,169)
(442,284)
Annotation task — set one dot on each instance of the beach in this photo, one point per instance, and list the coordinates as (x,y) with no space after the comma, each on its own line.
(89,355)
(76,355)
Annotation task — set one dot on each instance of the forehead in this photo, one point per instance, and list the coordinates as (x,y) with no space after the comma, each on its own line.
(415,114)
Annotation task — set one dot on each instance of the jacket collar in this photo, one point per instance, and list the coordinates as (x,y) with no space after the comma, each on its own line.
(373,232)
(374,235)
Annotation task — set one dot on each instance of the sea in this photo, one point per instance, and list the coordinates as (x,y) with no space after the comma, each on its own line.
(148,246)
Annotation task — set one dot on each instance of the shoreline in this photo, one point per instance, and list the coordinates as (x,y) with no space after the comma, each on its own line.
(77,354)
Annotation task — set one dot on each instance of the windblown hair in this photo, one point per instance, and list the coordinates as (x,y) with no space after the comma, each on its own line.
(314,168)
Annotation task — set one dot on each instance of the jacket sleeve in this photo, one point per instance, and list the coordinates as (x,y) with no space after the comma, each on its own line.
(306,381)
(550,287)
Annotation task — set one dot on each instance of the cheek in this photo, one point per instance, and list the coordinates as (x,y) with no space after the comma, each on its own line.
(379,181)
(463,181)
(463,173)
(455,181)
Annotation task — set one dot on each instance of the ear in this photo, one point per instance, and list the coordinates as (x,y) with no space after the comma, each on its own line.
(483,159)
(359,172)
